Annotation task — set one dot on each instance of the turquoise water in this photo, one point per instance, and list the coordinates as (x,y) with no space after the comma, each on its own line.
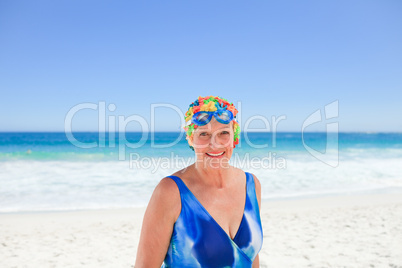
(56,146)
(47,171)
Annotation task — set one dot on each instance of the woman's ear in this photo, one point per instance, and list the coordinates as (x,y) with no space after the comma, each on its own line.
(190,140)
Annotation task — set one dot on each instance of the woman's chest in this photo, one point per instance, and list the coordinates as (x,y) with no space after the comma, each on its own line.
(226,209)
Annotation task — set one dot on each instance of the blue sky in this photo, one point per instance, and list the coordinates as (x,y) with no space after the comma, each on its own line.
(278,58)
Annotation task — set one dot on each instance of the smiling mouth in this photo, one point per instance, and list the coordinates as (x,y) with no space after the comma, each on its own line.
(215,154)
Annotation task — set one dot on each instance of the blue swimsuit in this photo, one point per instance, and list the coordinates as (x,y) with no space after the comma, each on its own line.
(199,241)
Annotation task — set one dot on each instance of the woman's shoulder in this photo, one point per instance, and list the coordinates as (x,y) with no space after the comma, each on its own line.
(167,189)
(166,197)
(167,186)
(246,173)
(240,172)
(256,181)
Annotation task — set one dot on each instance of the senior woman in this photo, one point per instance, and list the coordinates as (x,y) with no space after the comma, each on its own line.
(206,215)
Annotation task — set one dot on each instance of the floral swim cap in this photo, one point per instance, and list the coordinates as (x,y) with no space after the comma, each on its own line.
(210,104)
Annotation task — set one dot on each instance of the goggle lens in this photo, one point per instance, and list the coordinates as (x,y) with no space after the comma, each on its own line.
(224,116)
(202,118)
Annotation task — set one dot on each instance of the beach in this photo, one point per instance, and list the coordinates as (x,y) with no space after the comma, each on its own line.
(66,206)
(331,231)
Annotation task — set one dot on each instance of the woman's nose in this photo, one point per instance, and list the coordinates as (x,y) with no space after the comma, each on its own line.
(215,142)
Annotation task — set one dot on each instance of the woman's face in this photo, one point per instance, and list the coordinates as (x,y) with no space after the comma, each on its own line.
(213,144)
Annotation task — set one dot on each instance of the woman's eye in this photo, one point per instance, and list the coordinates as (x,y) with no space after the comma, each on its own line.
(203,134)
(225,132)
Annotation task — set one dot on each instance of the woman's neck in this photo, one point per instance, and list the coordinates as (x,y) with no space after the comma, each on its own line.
(217,177)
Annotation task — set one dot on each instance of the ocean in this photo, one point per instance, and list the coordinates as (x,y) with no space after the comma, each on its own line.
(52,171)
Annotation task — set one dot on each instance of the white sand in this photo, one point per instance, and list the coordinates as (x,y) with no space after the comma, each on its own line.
(356,231)
(347,231)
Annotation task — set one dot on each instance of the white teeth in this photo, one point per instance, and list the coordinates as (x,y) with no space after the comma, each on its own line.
(215,154)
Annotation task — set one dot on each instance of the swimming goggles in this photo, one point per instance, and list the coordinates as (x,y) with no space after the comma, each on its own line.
(202,118)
